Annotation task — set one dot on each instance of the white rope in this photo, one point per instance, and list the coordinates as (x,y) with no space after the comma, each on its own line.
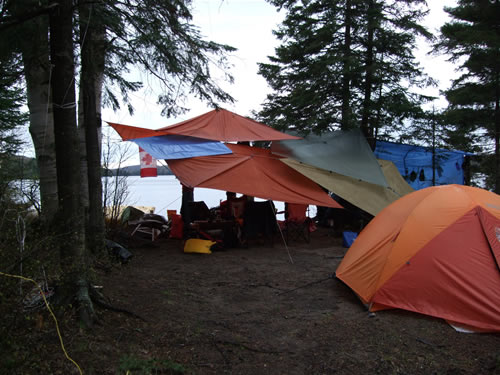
(64,106)
(286,246)
(164,164)
(168,204)
(87,27)
(283,238)
(73,104)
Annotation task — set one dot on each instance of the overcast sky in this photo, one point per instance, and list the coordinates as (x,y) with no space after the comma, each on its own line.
(244,24)
(247,25)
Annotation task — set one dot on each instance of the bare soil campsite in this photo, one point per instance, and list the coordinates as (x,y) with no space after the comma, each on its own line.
(257,310)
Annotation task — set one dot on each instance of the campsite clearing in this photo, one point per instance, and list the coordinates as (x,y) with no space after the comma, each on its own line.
(251,311)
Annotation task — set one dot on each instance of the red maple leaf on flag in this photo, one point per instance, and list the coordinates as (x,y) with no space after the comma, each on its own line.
(147,159)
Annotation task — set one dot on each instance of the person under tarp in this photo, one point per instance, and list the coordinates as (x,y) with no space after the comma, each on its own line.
(233,207)
(232,210)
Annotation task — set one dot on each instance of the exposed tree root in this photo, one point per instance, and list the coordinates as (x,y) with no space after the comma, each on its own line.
(99,299)
(249,348)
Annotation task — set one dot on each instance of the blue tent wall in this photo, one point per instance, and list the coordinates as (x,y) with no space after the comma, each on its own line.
(415,163)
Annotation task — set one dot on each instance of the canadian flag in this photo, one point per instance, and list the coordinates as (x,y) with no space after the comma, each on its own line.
(148,164)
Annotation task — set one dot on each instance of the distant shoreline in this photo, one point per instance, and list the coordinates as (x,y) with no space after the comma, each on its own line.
(135,170)
(26,168)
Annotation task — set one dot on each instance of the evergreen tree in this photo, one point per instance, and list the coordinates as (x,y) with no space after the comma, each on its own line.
(70,219)
(310,67)
(26,33)
(345,64)
(155,36)
(472,40)
(392,77)
(12,117)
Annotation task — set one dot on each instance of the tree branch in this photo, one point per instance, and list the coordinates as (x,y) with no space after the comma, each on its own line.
(8,22)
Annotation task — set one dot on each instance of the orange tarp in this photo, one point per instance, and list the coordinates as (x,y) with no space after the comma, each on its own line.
(217,125)
(435,251)
(252,171)
(223,125)
(132,132)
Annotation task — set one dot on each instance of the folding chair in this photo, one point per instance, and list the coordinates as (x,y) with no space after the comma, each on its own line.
(297,224)
(259,221)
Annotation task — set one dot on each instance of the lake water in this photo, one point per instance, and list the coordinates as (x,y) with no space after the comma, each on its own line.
(165,193)
(162,192)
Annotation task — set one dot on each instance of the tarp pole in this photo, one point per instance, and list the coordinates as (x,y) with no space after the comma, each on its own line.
(433,148)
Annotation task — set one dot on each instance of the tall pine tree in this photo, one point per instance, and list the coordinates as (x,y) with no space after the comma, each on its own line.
(345,64)
(472,40)
(12,117)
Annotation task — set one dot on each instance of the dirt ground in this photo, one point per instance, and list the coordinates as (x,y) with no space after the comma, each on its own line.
(254,311)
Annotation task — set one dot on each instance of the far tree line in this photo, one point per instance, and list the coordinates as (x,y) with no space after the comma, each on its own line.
(22,167)
(340,65)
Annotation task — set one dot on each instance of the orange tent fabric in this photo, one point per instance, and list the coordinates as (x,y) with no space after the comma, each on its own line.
(217,125)
(435,251)
(252,171)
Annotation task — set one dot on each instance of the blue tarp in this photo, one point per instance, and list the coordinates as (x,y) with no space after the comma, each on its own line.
(180,147)
(348,238)
(415,164)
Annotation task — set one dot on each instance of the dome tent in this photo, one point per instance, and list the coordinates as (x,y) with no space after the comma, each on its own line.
(435,251)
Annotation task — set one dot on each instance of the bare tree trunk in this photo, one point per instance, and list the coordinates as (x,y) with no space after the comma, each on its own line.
(35,52)
(70,220)
(346,80)
(92,46)
(365,128)
(84,187)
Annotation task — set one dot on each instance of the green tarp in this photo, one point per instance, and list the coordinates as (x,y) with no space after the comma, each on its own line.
(344,152)
(343,163)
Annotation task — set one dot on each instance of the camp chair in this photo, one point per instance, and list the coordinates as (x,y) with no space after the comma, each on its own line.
(259,221)
(194,213)
(297,225)
(198,210)
(151,224)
